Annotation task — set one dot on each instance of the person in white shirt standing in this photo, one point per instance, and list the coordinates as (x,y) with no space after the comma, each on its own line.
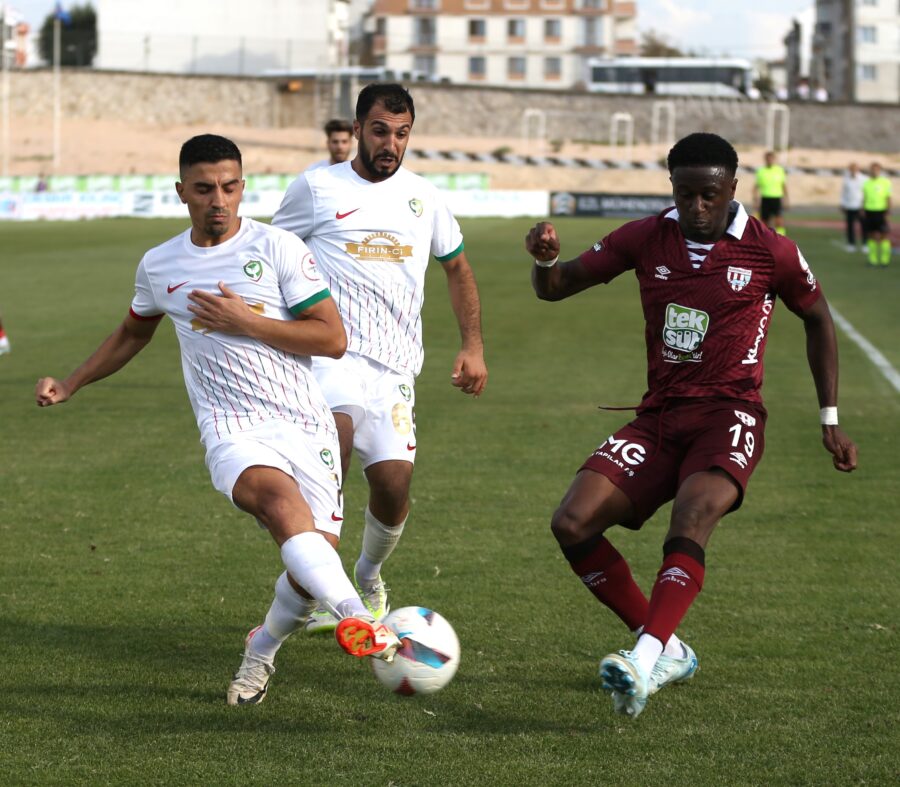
(249,309)
(851,204)
(372,226)
(338,137)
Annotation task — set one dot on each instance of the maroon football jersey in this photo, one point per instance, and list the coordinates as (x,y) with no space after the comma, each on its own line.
(705,328)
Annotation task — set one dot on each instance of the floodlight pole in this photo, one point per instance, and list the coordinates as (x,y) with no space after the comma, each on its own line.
(57,110)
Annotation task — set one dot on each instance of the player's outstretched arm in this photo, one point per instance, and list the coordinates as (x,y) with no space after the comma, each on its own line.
(821,352)
(469,369)
(119,348)
(317,330)
(553,280)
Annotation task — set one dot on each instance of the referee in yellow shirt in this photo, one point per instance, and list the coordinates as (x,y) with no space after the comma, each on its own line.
(876,205)
(770,194)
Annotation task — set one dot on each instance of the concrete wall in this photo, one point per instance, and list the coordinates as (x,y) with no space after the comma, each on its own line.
(447,110)
(442,110)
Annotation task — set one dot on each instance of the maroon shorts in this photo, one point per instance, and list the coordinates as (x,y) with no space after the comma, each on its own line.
(649,458)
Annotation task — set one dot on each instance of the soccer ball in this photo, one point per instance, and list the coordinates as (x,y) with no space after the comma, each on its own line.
(428,655)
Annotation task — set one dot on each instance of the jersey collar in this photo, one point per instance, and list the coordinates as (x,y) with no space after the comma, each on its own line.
(738,223)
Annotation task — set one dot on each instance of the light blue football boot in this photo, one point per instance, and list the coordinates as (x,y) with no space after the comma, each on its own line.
(627,682)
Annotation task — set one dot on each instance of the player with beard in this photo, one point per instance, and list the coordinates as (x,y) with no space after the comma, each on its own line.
(708,276)
(372,226)
(249,310)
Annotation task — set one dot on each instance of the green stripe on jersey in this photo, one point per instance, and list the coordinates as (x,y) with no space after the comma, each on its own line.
(312,300)
(455,253)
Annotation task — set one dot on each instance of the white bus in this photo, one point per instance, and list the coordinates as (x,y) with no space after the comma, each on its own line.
(672,76)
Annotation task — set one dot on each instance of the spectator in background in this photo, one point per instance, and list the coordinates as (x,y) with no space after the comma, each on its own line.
(770,194)
(851,204)
(4,340)
(42,184)
(876,206)
(339,136)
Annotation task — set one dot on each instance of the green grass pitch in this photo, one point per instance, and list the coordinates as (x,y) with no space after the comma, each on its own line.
(128,583)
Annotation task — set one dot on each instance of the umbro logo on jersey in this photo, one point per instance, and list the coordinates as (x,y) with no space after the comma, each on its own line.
(662,272)
(172,287)
(338,215)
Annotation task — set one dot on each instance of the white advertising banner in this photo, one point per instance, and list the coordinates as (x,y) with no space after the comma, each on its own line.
(259,203)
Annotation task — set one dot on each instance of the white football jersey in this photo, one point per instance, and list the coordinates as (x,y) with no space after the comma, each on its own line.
(372,243)
(234,382)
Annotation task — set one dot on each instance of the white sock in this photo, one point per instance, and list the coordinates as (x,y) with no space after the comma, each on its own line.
(283,618)
(378,542)
(673,647)
(647,652)
(316,567)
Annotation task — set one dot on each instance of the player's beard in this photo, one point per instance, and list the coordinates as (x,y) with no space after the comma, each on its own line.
(217,229)
(381,171)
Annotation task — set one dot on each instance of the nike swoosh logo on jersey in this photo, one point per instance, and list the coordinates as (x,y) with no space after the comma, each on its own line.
(336,518)
(410,447)
(338,215)
(170,289)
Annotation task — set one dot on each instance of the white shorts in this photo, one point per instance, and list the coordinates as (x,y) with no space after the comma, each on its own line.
(312,460)
(380,401)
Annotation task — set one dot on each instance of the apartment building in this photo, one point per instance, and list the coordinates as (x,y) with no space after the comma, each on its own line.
(510,43)
(859,43)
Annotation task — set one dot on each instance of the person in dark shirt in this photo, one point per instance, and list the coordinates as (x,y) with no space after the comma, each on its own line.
(709,275)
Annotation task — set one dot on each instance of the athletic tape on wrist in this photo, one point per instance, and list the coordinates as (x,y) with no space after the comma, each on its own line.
(548,264)
(828,416)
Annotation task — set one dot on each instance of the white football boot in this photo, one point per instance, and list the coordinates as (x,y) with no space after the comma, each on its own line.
(251,682)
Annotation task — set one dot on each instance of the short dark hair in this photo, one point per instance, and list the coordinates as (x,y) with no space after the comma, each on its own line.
(337,124)
(703,150)
(207,149)
(396,99)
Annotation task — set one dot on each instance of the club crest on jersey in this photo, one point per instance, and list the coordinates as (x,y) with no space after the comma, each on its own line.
(416,206)
(738,278)
(327,458)
(253,270)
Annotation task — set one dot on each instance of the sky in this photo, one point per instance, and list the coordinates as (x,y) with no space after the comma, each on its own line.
(737,27)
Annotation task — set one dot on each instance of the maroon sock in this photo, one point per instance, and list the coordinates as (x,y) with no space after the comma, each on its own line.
(606,574)
(678,582)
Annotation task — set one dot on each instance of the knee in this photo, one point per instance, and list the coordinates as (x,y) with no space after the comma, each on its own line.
(567,526)
(273,509)
(693,522)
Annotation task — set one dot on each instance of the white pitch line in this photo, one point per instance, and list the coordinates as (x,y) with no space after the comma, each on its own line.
(872,353)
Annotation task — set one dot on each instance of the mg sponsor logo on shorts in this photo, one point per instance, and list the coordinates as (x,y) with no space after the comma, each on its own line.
(683,333)
(327,458)
(622,453)
(738,278)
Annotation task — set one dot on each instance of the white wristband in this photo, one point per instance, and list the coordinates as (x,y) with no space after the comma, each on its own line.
(828,416)
(548,264)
